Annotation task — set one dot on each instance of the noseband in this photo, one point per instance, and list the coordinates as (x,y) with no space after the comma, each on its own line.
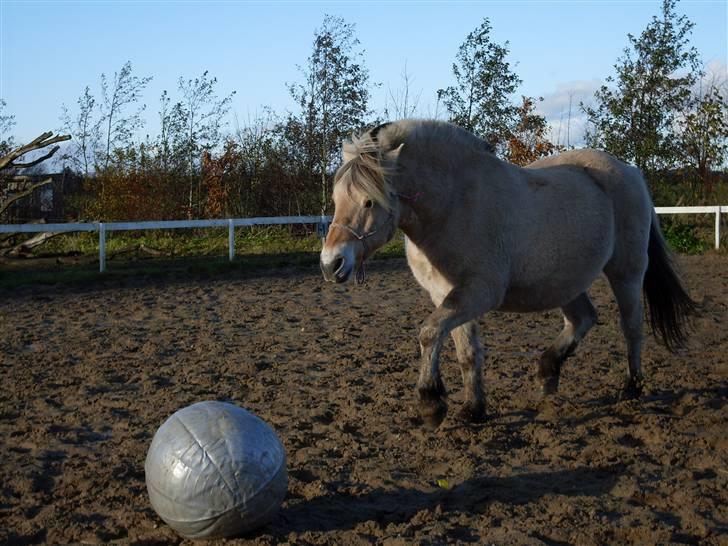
(361,236)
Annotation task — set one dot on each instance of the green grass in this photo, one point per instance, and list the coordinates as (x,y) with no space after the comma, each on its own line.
(690,234)
(684,238)
(208,242)
(73,258)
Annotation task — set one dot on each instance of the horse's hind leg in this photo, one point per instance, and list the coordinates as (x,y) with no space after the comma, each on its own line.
(470,356)
(628,293)
(579,317)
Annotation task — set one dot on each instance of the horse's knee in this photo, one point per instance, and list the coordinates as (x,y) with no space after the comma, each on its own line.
(428,335)
(579,317)
(472,351)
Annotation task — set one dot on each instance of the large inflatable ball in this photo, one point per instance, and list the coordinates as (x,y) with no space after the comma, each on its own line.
(215,470)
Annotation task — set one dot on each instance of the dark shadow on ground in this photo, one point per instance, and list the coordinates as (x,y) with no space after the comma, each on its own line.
(342,511)
(71,279)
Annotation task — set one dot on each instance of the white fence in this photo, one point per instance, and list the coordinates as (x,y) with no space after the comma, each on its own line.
(716,210)
(321,222)
(104,227)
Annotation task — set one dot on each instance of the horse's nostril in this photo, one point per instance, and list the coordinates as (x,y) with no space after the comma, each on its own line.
(338,264)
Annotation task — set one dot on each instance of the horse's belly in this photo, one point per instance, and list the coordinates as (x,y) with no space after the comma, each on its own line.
(560,261)
(527,299)
(551,287)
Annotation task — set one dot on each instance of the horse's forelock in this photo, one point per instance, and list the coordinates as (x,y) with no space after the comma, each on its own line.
(364,170)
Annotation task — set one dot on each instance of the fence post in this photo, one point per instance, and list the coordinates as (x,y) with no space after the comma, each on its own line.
(322,228)
(717,227)
(102,247)
(231,239)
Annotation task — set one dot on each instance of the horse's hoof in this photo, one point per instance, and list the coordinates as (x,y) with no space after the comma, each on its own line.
(472,412)
(433,413)
(632,389)
(550,385)
(433,404)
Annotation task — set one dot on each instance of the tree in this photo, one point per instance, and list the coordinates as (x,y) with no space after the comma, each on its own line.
(636,118)
(333,101)
(705,133)
(480,99)
(86,133)
(400,103)
(15,186)
(527,140)
(123,91)
(7,122)
(171,142)
(260,166)
(202,113)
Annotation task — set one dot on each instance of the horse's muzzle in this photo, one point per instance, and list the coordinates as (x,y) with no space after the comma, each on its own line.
(336,270)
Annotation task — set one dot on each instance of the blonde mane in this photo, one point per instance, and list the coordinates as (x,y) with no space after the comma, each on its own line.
(363,170)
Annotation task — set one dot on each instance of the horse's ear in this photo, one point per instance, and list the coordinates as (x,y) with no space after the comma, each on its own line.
(393,155)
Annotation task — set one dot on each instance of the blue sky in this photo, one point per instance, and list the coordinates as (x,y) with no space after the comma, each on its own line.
(50,50)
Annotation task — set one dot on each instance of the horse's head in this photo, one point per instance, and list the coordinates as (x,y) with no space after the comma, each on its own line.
(366,208)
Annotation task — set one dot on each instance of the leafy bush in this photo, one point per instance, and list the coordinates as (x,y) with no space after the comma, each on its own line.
(683,238)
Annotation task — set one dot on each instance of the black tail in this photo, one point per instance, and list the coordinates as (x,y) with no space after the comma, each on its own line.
(668,302)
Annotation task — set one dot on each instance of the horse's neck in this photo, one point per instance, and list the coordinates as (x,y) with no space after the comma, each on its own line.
(435,200)
(421,207)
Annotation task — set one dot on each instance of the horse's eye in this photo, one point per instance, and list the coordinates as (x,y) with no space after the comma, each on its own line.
(368,204)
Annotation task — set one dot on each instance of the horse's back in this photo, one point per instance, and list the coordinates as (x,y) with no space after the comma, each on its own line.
(622,182)
(629,197)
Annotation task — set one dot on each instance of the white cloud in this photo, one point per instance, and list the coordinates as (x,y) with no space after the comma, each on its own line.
(716,73)
(567,123)
(561,110)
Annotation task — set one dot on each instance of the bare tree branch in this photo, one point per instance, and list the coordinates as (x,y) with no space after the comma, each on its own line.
(46,139)
(26,246)
(26,186)
(36,161)
(25,193)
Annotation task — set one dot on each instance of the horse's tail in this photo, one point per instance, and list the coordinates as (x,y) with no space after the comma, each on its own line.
(668,301)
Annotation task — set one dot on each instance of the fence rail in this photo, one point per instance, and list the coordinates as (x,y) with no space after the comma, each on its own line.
(321,223)
(715,209)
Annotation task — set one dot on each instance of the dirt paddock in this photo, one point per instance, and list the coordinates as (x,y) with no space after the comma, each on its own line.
(90,372)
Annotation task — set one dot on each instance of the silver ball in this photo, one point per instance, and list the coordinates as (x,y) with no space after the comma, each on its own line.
(215,470)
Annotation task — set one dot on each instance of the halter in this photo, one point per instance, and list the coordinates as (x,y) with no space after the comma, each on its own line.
(363,236)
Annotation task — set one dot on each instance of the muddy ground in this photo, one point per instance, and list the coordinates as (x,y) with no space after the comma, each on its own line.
(90,372)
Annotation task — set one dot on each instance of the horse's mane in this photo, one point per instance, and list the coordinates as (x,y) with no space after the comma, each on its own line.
(366,169)
(442,133)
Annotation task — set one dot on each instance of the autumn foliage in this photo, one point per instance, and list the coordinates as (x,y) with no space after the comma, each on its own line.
(528,140)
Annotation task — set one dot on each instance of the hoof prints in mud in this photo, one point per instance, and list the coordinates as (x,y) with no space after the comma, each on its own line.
(90,373)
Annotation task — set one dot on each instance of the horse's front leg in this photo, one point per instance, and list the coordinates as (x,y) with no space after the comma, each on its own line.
(459,307)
